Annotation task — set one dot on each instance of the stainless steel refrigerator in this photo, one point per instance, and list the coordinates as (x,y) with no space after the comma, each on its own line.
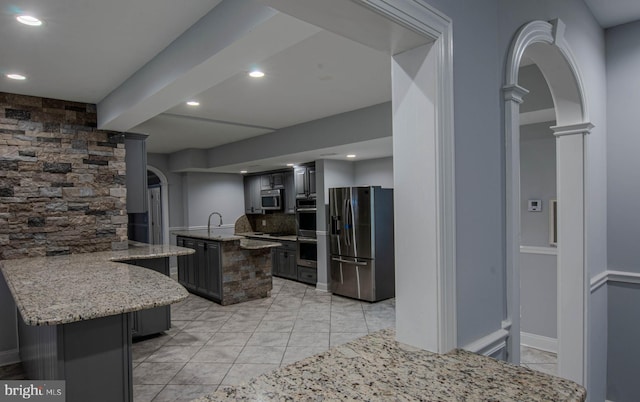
(361,233)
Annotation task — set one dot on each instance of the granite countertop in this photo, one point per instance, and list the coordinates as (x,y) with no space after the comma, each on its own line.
(378,368)
(261,235)
(203,234)
(63,289)
(249,244)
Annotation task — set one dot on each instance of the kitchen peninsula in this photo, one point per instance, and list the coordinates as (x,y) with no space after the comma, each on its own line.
(76,315)
(227,269)
(378,368)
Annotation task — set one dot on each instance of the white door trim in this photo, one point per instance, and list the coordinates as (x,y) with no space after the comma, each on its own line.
(164,194)
(426,20)
(545,43)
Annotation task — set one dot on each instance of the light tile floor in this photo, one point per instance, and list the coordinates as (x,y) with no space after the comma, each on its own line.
(211,345)
(539,360)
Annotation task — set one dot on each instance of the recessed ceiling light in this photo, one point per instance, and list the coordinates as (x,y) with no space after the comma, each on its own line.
(256,74)
(351,156)
(243,171)
(290,164)
(29,20)
(18,77)
(193,103)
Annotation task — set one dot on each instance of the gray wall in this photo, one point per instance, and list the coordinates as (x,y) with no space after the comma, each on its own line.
(374,172)
(623,353)
(623,196)
(207,192)
(537,181)
(623,65)
(538,294)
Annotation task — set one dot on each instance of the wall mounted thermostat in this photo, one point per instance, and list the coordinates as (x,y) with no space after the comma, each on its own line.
(535,205)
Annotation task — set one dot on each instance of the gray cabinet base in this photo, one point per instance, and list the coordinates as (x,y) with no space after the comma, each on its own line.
(93,357)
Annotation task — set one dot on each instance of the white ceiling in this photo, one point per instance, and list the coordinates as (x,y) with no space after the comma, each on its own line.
(610,13)
(86,49)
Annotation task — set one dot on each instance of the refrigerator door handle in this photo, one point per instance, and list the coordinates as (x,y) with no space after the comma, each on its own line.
(346,215)
(349,262)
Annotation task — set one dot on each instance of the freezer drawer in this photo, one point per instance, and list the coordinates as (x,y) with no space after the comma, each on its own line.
(352,278)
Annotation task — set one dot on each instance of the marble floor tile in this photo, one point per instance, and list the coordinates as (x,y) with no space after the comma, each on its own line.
(183,393)
(229,339)
(275,326)
(201,374)
(312,326)
(146,393)
(155,373)
(261,354)
(242,372)
(269,339)
(173,354)
(185,338)
(215,315)
(240,326)
(531,355)
(204,326)
(284,315)
(217,354)
(320,339)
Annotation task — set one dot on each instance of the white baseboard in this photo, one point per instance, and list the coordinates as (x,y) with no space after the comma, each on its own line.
(539,342)
(490,344)
(539,250)
(9,357)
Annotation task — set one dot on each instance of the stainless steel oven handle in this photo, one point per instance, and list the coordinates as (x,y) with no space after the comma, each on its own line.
(348,262)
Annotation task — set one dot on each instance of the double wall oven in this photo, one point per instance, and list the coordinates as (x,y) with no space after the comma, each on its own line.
(307,254)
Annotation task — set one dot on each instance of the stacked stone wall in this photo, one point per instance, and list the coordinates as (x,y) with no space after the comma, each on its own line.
(62,181)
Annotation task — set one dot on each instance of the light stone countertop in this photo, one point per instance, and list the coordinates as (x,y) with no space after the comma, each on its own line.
(69,288)
(249,244)
(378,368)
(266,236)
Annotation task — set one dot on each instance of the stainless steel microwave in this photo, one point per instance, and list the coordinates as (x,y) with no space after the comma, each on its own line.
(271,199)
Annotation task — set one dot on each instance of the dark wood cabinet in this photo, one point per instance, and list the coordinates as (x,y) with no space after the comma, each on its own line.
(154,320)
(201,273)
(283,260)
(271,181)
(252,200)
(305,181)
(289,193)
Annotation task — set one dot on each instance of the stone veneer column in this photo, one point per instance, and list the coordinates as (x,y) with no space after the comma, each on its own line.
(62,181)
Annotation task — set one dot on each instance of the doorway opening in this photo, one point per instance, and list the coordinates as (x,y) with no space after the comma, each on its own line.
(544,44)
(538,243)
(158,206)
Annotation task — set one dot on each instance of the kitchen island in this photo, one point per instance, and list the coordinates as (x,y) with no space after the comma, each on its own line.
(378,368)
(227,269)
(76,315)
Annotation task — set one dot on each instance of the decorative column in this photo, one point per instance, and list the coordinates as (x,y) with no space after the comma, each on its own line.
(572,277)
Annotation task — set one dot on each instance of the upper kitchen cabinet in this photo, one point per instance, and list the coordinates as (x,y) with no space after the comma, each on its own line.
(289,193)
(272,181)
(136,160)
(252,200)
(305,181)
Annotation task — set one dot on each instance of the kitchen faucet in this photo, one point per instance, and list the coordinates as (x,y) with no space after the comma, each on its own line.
(209,222)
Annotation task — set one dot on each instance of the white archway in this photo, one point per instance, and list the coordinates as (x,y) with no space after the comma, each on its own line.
(164,193)
(544,43)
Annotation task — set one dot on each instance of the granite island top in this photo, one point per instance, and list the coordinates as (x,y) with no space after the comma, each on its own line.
(68,288)
(249,244)
(261,235)
(378,368)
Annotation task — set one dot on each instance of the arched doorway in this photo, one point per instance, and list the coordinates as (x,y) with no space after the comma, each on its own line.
(544,43)
(161,186)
